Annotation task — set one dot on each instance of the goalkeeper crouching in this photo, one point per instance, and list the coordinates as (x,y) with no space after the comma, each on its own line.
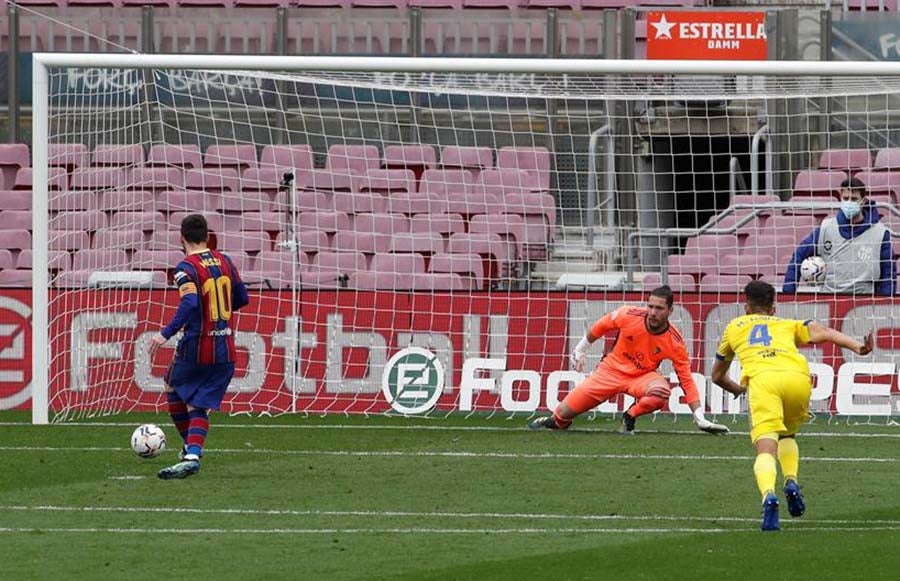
(645,339)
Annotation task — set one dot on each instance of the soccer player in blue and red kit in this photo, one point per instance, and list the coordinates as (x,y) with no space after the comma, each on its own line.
(211,290)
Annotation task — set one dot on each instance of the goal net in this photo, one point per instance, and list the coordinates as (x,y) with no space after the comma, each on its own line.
(437,242)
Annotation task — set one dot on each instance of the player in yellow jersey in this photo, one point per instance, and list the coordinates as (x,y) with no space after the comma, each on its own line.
(776,376)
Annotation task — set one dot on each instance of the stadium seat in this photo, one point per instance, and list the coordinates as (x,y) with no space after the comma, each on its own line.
(534,160)
(719,243)
(7,260)
(72,279)
(327,180)
(182,156)
(146,221)
(16,219)
(15,278)
(470,203)
(243,241)
(243,201)
(332,269)
(329,222)
(846,160)
(309,241)
(818,183)
(352,159)
(156,259)
(424,243)
(798,226)
(780,247)
(268,180)
(430,282)
(677,282)
(57,179)
(74,200)
(15,239)
(723,283)
(155,179)
(365,242)
(56,260)
(358,203)
(443,224)
(471,159)
(417,158)
(187,201)
(164,240)
(107,259)
(125,200)
(509,227)
(693,264)
(378,281)
(385,181)
(442,182)
(390,224)
(455,4)
(67,240)
(492,249)
(753,265)
(731,221)
(323,3)
(15,200)
(88,221)
(505,181)
(126,239)
(98,178)
(304,201)
(887,159)
(287,157)
(881,182)
(237,157)
(267,221)
(213,180)
(400,265)
(411,204)
(276,260)
(117,155)
(469,266)
(12,157)
(215,222)
(68,155)
(539,213)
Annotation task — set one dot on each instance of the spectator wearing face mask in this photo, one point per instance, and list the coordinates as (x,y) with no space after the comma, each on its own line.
(855,246)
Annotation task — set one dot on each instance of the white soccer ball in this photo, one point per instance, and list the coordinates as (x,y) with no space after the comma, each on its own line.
(812,270)
(148,440)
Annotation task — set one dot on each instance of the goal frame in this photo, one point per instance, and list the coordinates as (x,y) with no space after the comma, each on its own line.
(42,62)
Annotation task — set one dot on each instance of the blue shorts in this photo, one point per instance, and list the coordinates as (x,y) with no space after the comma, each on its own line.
(202,386)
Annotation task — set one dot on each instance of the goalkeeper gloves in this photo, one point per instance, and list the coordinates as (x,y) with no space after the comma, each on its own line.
(707,426)
(578,355)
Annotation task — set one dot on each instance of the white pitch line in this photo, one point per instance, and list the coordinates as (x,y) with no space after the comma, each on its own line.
(520,428)
(421,531)
(414,514)
(443,454)
(127,477)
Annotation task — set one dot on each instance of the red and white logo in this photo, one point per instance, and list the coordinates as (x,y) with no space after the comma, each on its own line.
(707,35)
(15,352)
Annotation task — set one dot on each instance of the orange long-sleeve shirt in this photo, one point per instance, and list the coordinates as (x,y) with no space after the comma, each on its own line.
(637,351)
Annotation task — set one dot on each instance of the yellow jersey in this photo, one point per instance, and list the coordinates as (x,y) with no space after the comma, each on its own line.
(763,343)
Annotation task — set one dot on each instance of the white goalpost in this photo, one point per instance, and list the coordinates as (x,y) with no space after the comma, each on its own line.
(432,236)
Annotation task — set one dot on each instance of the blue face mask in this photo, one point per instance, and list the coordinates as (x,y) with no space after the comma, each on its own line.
(850,209)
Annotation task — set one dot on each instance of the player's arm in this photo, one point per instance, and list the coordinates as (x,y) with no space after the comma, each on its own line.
(239,296)
(681,363)
(819,333)
(724,356)
(187,307)
(604,325)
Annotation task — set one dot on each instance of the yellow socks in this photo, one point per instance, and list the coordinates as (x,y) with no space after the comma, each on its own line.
(789,458)
(766,472)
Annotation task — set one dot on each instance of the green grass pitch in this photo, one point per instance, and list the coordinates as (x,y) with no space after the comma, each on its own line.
(454,498)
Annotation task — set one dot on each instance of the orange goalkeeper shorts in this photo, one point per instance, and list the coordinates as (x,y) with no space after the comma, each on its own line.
(605,383)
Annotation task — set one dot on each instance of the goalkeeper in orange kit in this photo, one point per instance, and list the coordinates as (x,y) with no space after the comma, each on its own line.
(645,339)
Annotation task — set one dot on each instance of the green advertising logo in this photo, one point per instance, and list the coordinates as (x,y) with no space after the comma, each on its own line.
(413,380)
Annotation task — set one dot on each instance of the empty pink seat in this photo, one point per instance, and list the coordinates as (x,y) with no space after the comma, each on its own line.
(417,158)
(731,221)
(156,259)
(539,213)
(719,244)
(7,260)
(15,200)
(469,203)
(887,159)
(455,4)
(214,221)
(243,201)
(287,157)
(504,182)
(779,247)
(325,221)
(400,265)
(238,157)
(304,201)
(492,249)
(241,260)
(212,180)
(848,160)
(56,260)
(12,157)
(358,203)
(186,201)
(74,200)
(377,281)
(146,221)
(385,181)
(125,200)
(880,182)
(16,220)
(473,159)
(694,264)
(724,283)
(365,242)
(410,204)
(352,159)
(389,224)
(469,266)
(753,265)
(268,221)
(796,225)
(15,239)
(443,224)
(333,269)
(15,278)
(822,183)
(164,240)
(534,160)
(68,155)
(308,241)
(87,221)
(126,239)
(108,259)
(155,179)
(68,240)
(57,179)
(98,178)
(271,279)
(323,3)
(268,179)
(277,260)
(442,182)
(677,282)
(510,227)
(243,241)
(424,243)
(117,155)
(72,279)
(166,155)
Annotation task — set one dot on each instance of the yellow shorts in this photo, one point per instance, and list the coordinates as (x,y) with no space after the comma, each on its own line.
(779,403)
